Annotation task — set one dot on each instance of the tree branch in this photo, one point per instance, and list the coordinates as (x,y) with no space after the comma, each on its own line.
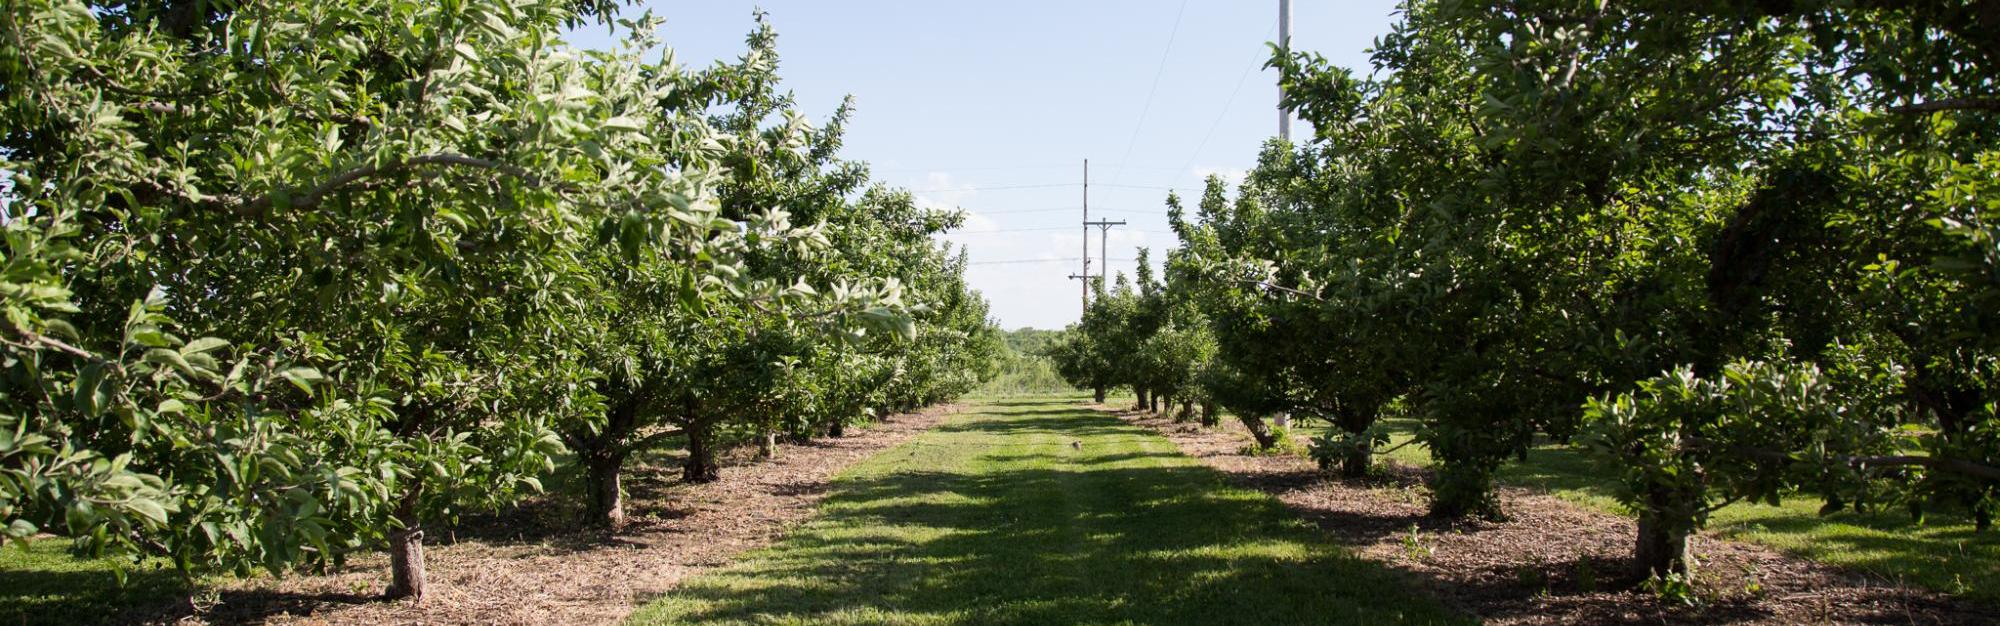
(168,108)
(1950,104)
(1966,468)
(312,197)
(1273,287)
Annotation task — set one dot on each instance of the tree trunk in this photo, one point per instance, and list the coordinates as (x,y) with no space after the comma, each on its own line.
(1098,393)
(1141,392)
(700,466)
(767,445)
(1187,409)
(837,430)
(1209,416)
(406,551)
(1358,459)
(1155,406)
(1265,440)
(1662,548)
(607,499)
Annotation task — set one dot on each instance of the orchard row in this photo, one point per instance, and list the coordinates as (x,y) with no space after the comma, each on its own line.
(1744,251)
(284,281)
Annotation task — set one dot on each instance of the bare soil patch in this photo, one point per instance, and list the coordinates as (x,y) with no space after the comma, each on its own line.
(1553,561)
(531,565)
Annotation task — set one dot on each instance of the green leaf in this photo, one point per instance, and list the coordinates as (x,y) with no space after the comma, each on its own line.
(150,510)
(204,344)
(302,377)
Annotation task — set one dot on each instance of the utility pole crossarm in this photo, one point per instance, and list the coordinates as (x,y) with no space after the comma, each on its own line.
(1103,245)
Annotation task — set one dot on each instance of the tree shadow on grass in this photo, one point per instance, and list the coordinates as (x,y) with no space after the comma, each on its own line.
(1115,538)
(89,593)
(86,594)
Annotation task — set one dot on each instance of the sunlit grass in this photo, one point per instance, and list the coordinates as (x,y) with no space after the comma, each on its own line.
(996,518)
(42,583)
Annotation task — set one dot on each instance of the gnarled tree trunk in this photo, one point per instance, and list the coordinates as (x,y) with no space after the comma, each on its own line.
(1258,431)
(607,498)
(767,445)
(603,457)
(1141,392)
(700,466)
(1098,393)
(1357,460)
(1665,525)
(1210,417)
(406,550)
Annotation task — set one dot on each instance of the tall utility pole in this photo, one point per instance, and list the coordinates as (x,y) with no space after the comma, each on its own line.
(1285,45)
(1085,276)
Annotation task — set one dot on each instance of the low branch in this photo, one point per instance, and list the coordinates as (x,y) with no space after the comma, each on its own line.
(1273,287)
(1396,447)
(168,108)
(32,339)
(312,197)
(657,438)
(1966,468)
(1949,104)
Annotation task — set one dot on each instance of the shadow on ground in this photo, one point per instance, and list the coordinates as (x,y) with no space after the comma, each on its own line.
(1013,524)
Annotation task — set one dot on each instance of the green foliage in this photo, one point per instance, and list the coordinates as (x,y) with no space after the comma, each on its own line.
(1026,367)
(284,281)
(1528,206)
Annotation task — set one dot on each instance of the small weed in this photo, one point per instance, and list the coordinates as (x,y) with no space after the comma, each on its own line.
(1413,545)
(1530,575)
(1754,582)
(1674,588)
(1586,575)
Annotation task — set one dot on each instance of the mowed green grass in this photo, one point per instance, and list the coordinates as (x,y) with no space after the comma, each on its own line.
(995,518)
(41,583)
(1942,554)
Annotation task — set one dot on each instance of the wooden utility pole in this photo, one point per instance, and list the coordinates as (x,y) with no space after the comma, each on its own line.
(1085,275)
(1284,45)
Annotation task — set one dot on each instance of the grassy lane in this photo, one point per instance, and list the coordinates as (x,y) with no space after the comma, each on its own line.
(996,518)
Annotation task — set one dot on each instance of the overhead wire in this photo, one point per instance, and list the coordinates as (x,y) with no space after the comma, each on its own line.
(1147,109)
(1226,105)
(1031,261)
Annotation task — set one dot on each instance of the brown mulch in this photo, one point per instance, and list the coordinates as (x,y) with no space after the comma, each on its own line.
(1553,561)
(530,566)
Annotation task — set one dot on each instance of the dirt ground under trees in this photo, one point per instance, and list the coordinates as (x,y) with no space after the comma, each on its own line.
(532,566)
(1553,561)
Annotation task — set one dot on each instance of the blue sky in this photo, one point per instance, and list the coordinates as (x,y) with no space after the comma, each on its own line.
(957,100)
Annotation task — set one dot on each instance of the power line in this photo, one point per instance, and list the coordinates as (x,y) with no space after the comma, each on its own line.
(1000,188)
(1037,186)
(1148,107)
(1032,261)
(1023,261)
(1020,211)
(1010,230)
(1224,114)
